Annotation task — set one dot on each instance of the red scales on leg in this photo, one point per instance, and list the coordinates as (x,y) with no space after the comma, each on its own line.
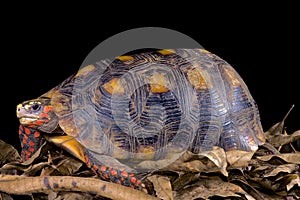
(31,140)
(111,173)
(140,103)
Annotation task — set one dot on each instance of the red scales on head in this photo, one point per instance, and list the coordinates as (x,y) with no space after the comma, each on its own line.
(32,115)
(37,117)
(144,103)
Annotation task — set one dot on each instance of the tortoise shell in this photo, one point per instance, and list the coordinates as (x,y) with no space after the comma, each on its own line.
(156,105)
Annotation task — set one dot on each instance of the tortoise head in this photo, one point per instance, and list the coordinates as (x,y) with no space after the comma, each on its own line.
(37,113)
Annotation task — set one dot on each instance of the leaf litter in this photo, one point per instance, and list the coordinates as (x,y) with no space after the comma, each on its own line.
(267,173)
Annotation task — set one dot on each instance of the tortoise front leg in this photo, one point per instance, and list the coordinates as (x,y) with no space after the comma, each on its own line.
(31,140)
(106,171)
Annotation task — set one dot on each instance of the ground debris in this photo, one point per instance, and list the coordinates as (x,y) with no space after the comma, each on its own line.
(214,174)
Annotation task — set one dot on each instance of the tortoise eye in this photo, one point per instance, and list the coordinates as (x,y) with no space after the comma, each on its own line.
(35,107)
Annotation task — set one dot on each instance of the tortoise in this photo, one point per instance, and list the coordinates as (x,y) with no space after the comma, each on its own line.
(117,114)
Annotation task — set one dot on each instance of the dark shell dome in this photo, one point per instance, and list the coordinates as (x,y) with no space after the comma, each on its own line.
(153,106)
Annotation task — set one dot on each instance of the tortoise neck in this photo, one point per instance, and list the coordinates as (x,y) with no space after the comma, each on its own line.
(30,139)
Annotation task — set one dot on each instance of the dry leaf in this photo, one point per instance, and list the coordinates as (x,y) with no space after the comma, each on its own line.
(277,128)
(293,158)
(277,137)
(282,139)
(261,168)
(294,182)
(8,153)
(162,186)
(207,188)
(65,166)
(69,196)
(239,178)
(4,196)
(184,179)
(257,177)
(279,185)
(218,157)
(238,158)
(28,170)
(29,167)
(274,189)
(207,161)
(287,168)
(249,197)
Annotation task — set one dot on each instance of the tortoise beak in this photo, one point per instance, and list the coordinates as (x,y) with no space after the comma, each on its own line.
(24,115)
(20,111)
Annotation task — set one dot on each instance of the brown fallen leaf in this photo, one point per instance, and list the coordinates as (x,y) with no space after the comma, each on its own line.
(184,179)
(294,182)
(286,168)
(260,169)
(29,167)
(63,166)
(261,177)
(240,178)
(162,186)
(210,187)
(277,137)
(280,184)
(274,183)
(238,158)
(69,196)
(4,196)
(207,161)
(293,158)
(218,157)
(277,128)
(282,139)
(8,153)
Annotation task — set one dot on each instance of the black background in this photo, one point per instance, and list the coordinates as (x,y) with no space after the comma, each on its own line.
(41,48)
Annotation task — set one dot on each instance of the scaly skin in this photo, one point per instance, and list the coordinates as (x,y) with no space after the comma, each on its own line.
(112,174)
(35,114)
(30,140)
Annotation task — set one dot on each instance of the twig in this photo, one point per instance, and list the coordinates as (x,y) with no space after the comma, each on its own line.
(20,185)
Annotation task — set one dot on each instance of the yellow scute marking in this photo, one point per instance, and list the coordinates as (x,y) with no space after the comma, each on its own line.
(114,86)
(61,103)
(146,153)
(158,83)
(85,70)
(33,102)
(125,58)
(205,51)
(50,93)
(196,79)
(232,77)
(166,51)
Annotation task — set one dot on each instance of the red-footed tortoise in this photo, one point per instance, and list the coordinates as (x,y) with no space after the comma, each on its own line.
(116,115)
